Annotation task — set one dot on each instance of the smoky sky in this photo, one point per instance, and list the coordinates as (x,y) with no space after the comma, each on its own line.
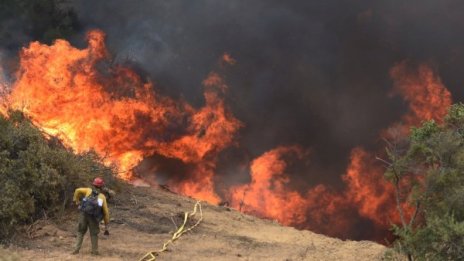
(313,73)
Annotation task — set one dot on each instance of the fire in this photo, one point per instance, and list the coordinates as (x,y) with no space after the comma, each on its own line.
(90,104)
(212,127)
(78,96)
(426,95)
(366,189)
(428,99)
(228,59)
(268,194)
(200,184)
(366,192)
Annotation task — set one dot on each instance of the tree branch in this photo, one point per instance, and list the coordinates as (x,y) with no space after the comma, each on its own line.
(384,161)
(413,218)
(398,197)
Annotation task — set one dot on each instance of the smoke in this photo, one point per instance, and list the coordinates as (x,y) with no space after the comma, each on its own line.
(4,79)
(312,73)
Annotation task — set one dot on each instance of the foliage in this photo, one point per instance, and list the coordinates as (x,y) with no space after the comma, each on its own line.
(42,20)
(38,175)
(442,238)
(428,172)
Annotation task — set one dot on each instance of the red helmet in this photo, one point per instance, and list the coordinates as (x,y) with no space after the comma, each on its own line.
(98,182)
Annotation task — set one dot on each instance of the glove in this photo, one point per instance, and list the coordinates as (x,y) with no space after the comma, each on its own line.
(106,233)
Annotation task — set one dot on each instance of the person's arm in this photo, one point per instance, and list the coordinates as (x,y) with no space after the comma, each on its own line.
(80,193)
(105,210)
(106,214)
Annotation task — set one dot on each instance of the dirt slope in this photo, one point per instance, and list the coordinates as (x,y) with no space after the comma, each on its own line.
(143,218)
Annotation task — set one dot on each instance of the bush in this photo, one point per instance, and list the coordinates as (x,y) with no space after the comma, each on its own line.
(38,175)
(429,172)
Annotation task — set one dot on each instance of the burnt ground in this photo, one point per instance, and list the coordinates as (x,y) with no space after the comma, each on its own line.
(142,219)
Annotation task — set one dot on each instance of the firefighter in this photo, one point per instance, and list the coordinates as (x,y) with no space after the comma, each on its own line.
(93,208)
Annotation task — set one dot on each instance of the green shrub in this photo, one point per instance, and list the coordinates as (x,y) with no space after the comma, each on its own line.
(38,175)
(428,172)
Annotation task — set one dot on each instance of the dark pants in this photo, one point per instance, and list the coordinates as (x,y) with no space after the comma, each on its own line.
(86,221)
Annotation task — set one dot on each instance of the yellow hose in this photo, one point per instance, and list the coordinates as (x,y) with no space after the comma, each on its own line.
(151,256)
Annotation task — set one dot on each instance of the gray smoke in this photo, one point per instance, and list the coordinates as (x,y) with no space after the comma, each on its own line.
(313,73)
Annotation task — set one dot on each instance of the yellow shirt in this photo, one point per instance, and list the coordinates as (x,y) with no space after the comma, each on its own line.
(85,192)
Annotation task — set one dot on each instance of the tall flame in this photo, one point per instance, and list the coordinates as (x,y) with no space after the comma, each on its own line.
(324,210)
(80,97)
(91,104)
(428,98)
(268,193)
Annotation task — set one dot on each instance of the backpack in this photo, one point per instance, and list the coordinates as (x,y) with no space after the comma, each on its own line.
(90,206)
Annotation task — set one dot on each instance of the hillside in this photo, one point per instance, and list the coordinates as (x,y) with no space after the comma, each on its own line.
(143,218)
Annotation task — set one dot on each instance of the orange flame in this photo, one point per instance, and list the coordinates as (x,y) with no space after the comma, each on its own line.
(79,97)
(268,194)
(323,210)
(428,99)
(426,95)
(366,189)
(228,59)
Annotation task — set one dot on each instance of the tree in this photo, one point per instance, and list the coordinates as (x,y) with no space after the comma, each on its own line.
(427,170)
